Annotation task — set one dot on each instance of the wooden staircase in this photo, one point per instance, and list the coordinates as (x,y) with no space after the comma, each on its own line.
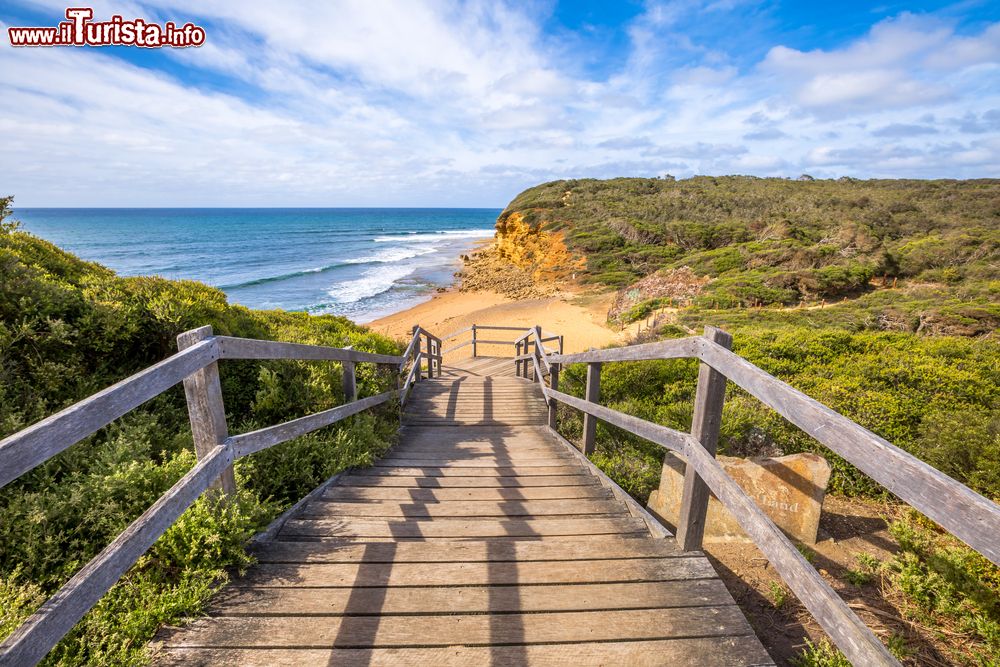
(482,538)
(484,535)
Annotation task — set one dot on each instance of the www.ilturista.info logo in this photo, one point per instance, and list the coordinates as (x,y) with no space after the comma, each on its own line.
(80,30)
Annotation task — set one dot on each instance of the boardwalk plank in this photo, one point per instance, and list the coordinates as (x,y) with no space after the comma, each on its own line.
(449,508)
(480,538)
(742,651)
(479,574)
(239,600)
(474,629)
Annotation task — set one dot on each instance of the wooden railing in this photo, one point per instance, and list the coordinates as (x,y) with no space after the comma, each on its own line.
(196,364)
(423,346)
(956,508)
(969,516)
(475,341)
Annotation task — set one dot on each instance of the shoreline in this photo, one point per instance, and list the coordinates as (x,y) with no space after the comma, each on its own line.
(579,317)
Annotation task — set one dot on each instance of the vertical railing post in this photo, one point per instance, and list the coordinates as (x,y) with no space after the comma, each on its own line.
(206,410)
(416,352)
(705,426)
(554,385)
(517,362)
(350,379)
(473,340)
(538,346)
(593,395)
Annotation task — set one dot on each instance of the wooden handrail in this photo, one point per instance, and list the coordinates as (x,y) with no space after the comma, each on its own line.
(21,451)
(30,447)
(964,513)
(255,441)
(251,348)
(30,642)
(850,634)
(955,507)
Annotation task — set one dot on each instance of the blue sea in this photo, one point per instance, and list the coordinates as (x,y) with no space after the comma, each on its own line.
(362,263)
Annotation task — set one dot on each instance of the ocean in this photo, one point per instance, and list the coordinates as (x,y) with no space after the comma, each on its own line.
(362,263)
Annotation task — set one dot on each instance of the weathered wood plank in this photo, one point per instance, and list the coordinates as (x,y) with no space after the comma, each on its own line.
(661,435)
(356,494)
(447,508)
(477,462)
(960,510)
(506,471)
(473,452)
(678,348)
(239,600)
(705,425)
(592,394)
(250,348)
(206,411)
(742,651)
(476,629)
(34,445)
(478,574)
(419,481)
(255,441)
(459,528)
(349,551)
(43,629)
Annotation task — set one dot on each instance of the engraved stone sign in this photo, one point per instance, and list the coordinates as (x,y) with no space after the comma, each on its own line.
(790,489)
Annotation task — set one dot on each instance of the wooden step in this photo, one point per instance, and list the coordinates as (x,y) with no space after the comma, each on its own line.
(464,508)
(325,575)
(420,481)
(464,629)
(357,494)
(443,528)
(242,600)
(349,551)
(492,471)
(732,651)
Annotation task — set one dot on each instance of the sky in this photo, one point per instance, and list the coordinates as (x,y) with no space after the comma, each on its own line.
(426,103)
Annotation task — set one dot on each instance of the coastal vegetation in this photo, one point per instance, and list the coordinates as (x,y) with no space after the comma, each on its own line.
(878,298)
(69,328)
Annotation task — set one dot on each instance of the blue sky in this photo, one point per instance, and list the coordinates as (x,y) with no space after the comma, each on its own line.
(413,103)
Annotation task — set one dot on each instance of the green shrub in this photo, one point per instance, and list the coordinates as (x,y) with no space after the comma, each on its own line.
(69,328)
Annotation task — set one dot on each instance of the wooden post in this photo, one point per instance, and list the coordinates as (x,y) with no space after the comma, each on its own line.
(538,347)
(517,362)
(554,385)
(206,410)
(350,382)
(473,340)
(416,353)
(705,426)
(560,344)
(593,395)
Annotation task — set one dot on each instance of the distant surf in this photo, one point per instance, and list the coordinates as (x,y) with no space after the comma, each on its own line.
(361,263)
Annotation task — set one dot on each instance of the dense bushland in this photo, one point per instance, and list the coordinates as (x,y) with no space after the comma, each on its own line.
(779,242)
(69,328)
(878,298)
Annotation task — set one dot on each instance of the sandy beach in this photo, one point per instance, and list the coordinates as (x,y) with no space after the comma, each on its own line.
(580,319)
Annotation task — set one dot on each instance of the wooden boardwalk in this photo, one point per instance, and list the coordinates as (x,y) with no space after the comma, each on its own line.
(482,538)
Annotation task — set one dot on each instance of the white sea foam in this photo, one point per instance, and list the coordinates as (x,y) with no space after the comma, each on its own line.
(393,254)
(446,235)
(372,282)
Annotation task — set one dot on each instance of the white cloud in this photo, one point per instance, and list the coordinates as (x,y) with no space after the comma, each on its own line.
(353,104)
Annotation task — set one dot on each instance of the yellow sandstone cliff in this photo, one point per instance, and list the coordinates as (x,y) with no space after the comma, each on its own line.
(542,253)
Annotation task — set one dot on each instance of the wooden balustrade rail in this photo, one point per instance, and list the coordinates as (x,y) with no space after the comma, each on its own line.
(969,516)
(196,365)
(964,513)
